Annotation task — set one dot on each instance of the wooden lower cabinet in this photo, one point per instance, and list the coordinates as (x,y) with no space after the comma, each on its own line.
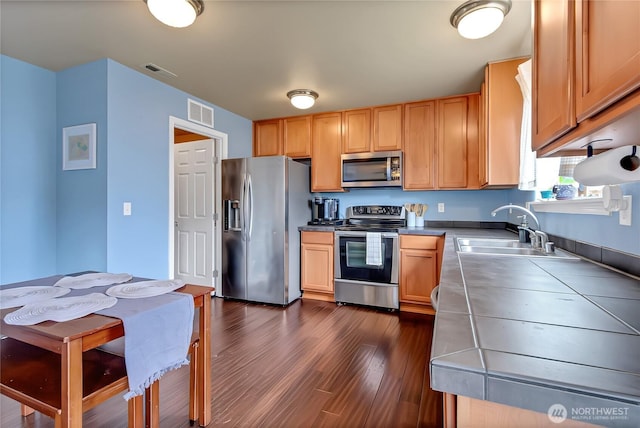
(420,265)
(317,266)
(471,412)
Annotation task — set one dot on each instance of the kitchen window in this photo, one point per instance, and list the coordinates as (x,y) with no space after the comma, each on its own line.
(568,196)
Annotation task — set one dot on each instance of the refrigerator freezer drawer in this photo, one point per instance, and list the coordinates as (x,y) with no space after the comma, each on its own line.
(367,293)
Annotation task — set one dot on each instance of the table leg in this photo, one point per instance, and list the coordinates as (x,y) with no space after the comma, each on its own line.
(136,412)
(71,361)
(204,366)
(152,405)
(26,410)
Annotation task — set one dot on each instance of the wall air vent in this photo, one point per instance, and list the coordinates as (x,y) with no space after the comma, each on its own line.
(200,113)
(156,69)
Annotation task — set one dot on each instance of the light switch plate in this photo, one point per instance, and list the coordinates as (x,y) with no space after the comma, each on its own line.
(126,208)
(440,207)
(625,215)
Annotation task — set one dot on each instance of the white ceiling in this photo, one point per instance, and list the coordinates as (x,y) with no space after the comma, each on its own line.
(245,55)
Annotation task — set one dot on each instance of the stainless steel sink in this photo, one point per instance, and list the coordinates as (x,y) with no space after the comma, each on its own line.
(504,247)
(485,242)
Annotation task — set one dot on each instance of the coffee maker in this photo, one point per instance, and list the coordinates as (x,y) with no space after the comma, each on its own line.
(325,211)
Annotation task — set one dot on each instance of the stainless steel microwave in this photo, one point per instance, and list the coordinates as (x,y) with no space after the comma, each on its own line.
(376,169)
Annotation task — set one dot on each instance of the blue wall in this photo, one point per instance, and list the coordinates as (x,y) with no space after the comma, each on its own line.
(54,221)
(27,171)
(138,167)
(461,205)
(81,194)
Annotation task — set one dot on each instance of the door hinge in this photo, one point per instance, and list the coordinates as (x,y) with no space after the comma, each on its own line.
(215,273)
(216,160)
(215,217)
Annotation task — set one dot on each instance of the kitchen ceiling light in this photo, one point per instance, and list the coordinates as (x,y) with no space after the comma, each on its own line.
(476,19)
(302,98)
(175,13)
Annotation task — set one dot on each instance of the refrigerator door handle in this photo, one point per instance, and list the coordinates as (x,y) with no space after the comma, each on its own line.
(244,207)
(250,188)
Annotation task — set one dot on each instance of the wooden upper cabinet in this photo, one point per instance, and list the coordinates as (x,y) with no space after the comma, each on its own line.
(326,148)
(297,136)
(473,141)
(419,145)
(452,149)
(503,122)
(483,173)
(387,128)
(267,138)
(552,104)
(607,53)
(586,62)
(356,128)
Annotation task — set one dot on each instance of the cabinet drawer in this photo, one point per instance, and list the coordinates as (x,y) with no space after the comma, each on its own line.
(419,242)
(317,238)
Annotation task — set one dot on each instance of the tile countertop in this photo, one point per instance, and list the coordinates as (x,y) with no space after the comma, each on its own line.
(534,332)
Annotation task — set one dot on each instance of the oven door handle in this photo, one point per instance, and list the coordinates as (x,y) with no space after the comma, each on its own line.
(363,234)
(375,284)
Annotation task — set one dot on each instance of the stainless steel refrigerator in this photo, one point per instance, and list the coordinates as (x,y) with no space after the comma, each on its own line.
(265,200)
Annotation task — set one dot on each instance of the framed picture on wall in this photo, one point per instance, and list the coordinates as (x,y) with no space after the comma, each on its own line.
(79,147)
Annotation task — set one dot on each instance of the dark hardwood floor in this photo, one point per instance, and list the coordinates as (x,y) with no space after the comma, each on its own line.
(313,364)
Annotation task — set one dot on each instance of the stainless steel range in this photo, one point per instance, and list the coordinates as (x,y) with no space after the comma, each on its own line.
(366,256)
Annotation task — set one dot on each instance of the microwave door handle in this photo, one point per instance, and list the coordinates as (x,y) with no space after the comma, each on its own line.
(388,168)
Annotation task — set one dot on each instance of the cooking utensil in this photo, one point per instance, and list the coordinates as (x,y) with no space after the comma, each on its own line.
(630,162)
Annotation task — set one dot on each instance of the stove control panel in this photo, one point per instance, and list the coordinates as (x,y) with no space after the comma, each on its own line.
(377,210)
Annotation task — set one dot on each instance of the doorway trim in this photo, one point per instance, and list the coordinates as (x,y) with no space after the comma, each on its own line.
(221,152)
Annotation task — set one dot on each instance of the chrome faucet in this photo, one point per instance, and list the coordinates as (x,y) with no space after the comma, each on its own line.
(517,207)
(539,239)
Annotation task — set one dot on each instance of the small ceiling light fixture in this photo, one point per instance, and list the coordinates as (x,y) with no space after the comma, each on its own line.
(476,19)
(175,13)
(302,98)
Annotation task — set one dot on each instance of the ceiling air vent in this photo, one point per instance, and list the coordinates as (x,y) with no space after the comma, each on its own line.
(200,113)
(156,69)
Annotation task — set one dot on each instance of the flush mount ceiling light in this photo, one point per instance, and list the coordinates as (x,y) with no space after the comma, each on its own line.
(475,19)
(175,13)
(302,98)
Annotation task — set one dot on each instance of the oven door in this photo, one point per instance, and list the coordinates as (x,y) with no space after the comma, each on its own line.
(351,262)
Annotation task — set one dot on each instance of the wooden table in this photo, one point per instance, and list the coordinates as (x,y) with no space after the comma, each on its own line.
(71,338)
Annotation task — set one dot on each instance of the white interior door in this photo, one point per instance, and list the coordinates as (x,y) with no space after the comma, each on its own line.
(194,208)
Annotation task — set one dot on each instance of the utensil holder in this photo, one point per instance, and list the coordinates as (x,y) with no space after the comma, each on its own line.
(411,219)
(419,221)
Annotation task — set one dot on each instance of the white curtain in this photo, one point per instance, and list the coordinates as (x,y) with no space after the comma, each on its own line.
(535,174)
